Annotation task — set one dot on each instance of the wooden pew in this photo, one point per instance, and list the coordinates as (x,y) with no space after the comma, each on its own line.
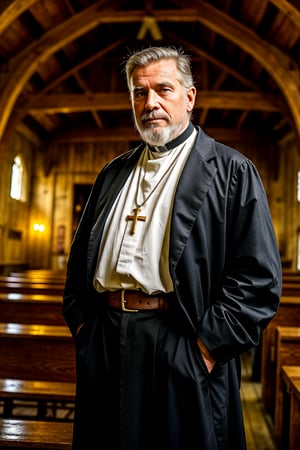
(36,352)
(43,357)
(288,314)
(29,287)
(291,288)
(44,397)
(294,429)
(28,434)
(283,416)
(291,278)
(39,278)
(54,278)
(287,352)
(31,282)
(8,266)
(31,308)
(32,279)
(288,274)
(42,274)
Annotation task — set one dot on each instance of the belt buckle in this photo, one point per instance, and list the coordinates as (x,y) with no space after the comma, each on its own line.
(123,303)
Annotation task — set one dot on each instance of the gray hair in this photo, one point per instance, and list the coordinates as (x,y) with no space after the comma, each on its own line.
(153,54)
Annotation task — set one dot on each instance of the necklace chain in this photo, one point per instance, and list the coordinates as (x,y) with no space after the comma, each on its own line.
(141,174)
(135,217)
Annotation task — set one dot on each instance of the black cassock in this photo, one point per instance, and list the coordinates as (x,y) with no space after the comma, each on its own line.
(141,381)
(143,385)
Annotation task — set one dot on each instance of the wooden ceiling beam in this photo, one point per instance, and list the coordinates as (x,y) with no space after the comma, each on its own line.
(30,136)
(119,101)
(25,64)
(81,82)
(289,10)
(86,62)
(278,64)
(10,10)
(210,58)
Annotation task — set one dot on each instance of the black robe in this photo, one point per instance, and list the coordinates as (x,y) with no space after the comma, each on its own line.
(141,381)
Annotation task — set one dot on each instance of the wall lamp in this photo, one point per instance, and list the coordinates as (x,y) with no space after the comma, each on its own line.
(39,227)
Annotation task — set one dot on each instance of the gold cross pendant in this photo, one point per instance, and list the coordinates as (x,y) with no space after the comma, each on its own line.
(135,217)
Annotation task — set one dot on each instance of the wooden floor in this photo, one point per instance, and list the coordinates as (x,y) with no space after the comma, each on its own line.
(258,425)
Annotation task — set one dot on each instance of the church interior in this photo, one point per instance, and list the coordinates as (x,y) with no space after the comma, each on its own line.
(65,113)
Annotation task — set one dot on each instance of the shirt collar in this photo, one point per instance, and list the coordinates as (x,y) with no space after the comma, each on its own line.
(175,142)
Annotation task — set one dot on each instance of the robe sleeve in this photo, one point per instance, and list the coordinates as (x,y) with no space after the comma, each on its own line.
(250,290)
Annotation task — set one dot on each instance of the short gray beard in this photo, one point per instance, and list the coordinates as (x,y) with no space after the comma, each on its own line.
(160,138)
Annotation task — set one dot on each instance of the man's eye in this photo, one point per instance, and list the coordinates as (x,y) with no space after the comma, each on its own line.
(139,94)
(165,90)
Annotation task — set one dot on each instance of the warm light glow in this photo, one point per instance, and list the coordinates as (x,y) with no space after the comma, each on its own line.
(40,227)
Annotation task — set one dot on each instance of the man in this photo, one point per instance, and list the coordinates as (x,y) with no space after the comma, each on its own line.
(173,273)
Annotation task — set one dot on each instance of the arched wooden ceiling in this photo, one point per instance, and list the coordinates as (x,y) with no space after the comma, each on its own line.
(61,64)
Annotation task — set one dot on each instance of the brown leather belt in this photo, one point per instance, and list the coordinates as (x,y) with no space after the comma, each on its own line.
(134,301)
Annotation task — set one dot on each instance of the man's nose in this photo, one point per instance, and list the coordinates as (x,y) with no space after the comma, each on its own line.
(151,101)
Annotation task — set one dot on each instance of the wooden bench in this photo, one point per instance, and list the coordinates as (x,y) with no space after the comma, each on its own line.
(290,275)
(28,434)
(30,287)
(31,308)
(291,278)
(47,398)
(28,282)
(294,426)
(33,277)
(291,288)
(283,408)
(32,280)
(37,352)
(287,352)
(8,266)
(40,274)
(288,314)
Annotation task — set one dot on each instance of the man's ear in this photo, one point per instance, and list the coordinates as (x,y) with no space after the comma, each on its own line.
(191,97)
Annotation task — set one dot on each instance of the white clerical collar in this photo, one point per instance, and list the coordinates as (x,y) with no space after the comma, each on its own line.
(175,142)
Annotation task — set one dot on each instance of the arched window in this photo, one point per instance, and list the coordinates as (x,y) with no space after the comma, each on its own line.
(17,182)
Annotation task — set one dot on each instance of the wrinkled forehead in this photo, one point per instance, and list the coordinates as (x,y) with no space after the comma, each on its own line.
(163,71)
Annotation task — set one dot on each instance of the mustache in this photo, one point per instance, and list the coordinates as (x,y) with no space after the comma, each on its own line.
(153,115)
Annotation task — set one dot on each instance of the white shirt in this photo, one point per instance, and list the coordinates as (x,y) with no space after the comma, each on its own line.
(141,260)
